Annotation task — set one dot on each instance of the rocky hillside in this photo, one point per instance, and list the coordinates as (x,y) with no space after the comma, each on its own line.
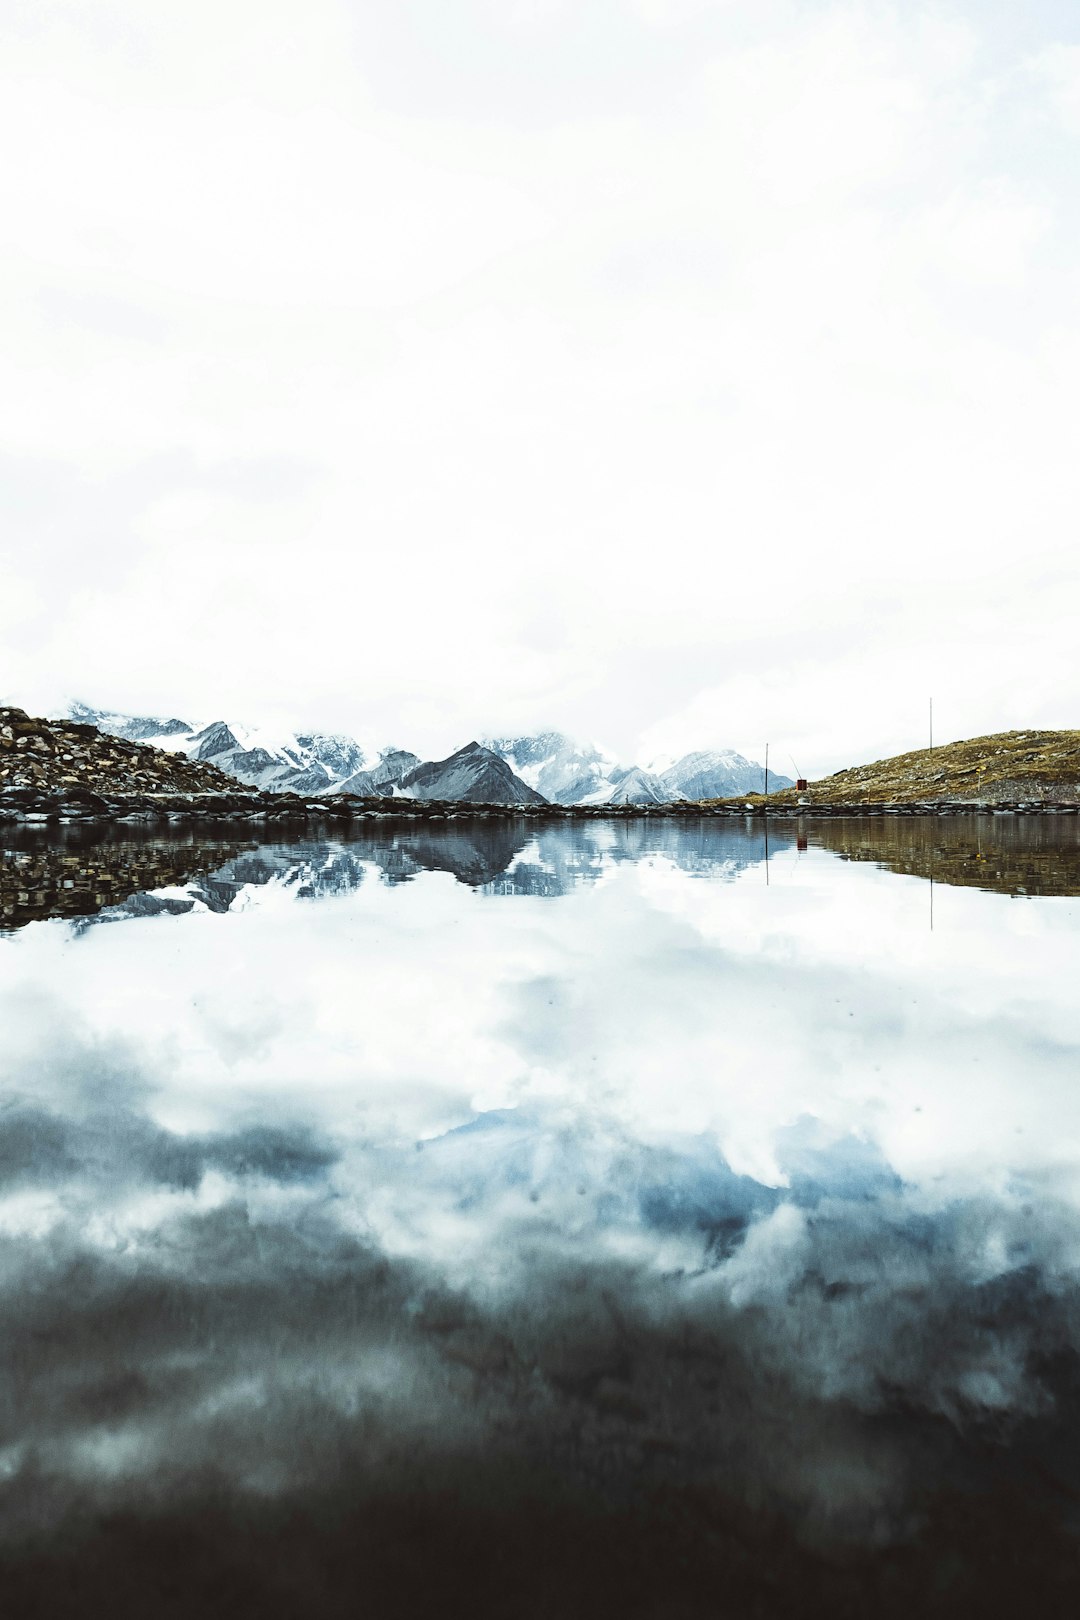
(310,763)
(1007,766)
(64,756)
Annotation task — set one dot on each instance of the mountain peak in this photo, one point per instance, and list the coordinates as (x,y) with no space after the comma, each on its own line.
(475,775)
(547,767)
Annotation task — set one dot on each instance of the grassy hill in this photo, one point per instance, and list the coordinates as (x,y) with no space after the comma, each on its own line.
(1009,765)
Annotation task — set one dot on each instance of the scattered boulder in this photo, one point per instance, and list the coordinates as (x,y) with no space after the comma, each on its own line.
(73,760)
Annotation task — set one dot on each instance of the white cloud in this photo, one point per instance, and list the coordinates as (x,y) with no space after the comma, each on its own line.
(1056,72)
(601,372)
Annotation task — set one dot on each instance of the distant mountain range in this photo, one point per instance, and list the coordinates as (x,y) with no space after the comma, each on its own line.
(298,762)
(503,856)
(549,767)
(568,772)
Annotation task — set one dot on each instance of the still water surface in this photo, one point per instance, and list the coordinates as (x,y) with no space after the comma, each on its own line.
(599,1221)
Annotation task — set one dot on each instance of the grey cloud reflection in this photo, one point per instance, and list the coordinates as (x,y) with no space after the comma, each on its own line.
(608,1264)
(826,1355)
(121,1149)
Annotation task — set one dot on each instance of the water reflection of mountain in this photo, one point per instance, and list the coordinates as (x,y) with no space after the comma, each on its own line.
(114,875)
(1019,855)
(560,858)
(105,877)
(474,853)
(311,871)
(499,857)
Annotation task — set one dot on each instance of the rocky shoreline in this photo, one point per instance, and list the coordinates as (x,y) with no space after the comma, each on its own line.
(27,807)
(167,810)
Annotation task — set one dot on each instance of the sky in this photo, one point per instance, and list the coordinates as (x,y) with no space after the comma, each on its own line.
(676,373)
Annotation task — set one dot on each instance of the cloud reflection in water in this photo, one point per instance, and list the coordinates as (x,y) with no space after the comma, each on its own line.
(683,1231)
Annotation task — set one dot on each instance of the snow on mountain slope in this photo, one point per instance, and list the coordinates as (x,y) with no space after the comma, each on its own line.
(384,778)
(308,762)
(563,770)
(550,765)
(717,773)
(634,786)
(569,772)
(135,728)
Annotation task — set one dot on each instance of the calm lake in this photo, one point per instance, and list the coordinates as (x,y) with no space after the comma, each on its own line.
(598,1221)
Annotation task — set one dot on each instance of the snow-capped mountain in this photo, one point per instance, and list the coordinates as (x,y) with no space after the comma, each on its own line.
(475,775)
(308,762)
(717,773)
(554,765)
(384,778)
(549,766)
(570,772)
(634,786)
(135,728)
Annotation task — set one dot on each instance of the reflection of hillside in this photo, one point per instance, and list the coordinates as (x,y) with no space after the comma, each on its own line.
(75,873)
(1037,855)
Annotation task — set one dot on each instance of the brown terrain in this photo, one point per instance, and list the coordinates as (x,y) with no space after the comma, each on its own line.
(62,756)
(1008,766)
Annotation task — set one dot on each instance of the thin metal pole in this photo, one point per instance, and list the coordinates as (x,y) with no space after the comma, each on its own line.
(766,770)
(931,728)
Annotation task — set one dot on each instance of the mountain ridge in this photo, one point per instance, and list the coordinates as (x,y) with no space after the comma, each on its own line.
(551,764)
(471,775)
(568,771)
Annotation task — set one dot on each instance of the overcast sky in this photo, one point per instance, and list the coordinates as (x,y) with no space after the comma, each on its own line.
(679,373)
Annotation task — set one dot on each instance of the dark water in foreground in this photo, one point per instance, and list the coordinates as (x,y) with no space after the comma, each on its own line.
(604,1222)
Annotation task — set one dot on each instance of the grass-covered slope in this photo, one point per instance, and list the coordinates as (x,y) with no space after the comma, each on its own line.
(1009,765)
